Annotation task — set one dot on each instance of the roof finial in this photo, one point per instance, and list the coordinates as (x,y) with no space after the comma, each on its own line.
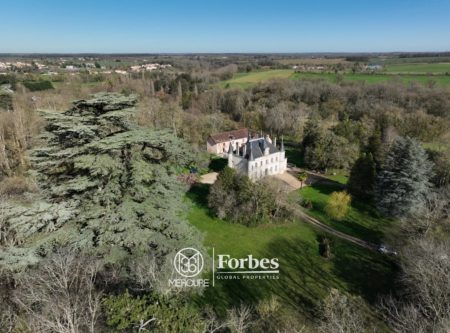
(282,144)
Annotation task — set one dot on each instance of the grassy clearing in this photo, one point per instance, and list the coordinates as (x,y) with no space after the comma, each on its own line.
(245,80)
(305,276)
(363,220)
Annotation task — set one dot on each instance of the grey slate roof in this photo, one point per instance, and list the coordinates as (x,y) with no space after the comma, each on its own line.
(256,148)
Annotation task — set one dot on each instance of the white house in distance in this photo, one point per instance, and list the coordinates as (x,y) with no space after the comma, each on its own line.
(255,157)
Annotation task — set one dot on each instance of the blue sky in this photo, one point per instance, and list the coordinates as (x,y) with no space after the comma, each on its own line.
(224,26)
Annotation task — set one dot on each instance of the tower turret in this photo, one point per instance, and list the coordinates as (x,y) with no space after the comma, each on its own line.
(230,155)
(251,157)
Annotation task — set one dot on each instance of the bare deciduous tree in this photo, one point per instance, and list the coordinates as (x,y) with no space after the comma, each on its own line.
(342,314)
(425,305)
(60,295)
(240,318)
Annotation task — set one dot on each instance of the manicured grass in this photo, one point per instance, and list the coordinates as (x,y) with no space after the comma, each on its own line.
(305,277)
(340,176)
(363,220)
(419,68)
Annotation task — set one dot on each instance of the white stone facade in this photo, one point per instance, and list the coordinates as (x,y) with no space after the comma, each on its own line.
(258,158)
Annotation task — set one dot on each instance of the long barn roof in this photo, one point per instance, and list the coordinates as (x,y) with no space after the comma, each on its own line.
(230,135)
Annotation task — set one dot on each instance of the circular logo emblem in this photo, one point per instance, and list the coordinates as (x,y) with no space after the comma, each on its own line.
(188,262)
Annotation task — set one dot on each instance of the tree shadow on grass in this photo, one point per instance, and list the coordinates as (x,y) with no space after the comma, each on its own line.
(217,164)
(294,155)
(352,224)
(367,273)
(198,193)
(305,277)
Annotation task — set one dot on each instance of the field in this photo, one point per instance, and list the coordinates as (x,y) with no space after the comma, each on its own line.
(246,80)
(312,61)
(305,276)
(423,68)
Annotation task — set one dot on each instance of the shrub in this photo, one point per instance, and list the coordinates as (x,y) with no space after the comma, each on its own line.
(236,198)
(126,313)
(338,205)
(6,101)
(325,247)
(38,85)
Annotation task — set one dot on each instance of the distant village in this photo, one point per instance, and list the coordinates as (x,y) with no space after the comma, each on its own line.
(73,65)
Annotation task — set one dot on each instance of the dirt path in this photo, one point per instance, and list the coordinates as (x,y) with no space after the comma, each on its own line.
(209,178)
(311,220)
(290,180)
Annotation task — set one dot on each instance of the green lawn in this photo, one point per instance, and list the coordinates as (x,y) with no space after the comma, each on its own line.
(340,176)
(305,276)
(363,220)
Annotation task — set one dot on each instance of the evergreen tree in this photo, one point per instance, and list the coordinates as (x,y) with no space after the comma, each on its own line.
(404,179)
(362,176)
(312,133)
(375,147)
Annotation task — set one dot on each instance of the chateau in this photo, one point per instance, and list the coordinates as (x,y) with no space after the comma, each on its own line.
(255,157)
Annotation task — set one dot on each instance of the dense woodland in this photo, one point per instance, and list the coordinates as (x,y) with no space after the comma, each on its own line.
(92,194)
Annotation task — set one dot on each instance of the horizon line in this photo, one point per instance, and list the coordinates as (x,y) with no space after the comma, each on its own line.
(229,53)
